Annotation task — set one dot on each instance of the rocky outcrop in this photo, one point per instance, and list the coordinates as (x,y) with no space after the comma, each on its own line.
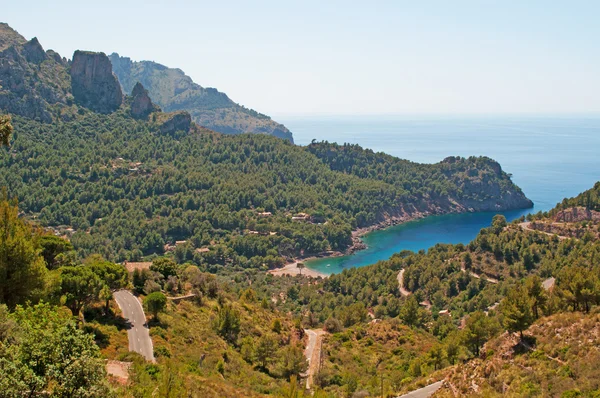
(31,80)
(577,214)
(93,83)
(34,52)
(141,105)
(9,37)
(175,121)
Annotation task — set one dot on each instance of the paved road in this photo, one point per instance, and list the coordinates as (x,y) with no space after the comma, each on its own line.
(474,275)
(424,392)
(138,334)
(313,353)
(403,291)
(527,227)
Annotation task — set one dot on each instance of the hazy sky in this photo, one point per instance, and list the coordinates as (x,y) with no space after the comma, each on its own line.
(348,57)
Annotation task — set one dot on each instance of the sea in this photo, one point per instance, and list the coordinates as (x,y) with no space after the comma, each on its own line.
(549,157)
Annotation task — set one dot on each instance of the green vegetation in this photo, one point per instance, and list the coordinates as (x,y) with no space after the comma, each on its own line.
(133,191)
(6,130)
(42,352)
(154,303)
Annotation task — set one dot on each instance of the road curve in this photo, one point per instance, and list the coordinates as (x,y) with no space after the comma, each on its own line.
(424,392)
(138,333)
(527,227)
(403,291)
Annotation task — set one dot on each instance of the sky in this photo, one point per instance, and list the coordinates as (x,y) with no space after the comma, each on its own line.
(348,57)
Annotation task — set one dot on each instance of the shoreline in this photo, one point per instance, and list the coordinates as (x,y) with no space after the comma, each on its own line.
(357,242)
(292,270)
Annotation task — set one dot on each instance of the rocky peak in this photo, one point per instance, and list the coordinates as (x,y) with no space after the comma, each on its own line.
(93,83)
(34,52)
(142,105)
(9,37)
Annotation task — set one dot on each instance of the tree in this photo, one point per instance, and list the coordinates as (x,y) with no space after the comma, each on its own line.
(409,313)
(51,355)
(105,295)
(578,287)
(155,303)
(265,351)
(52,246)
(436,356)
(6,130)
(79,286)
(516,308)
(227,323)
(498,223)
(113,275)
(165,266)
(300,267)
(467,260)
(332,325)
(22,269)
(478,329)
(536,293)
(291,361)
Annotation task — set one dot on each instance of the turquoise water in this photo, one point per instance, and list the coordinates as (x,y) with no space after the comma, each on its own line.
(550,158)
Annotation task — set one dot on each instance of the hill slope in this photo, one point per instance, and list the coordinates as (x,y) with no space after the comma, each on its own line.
(173,90)
(564,361)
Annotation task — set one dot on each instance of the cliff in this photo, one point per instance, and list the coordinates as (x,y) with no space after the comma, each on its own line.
(173,90)
(32,81)
(141,105)
(93,83)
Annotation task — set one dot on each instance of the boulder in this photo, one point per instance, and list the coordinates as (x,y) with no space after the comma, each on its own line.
(93,83)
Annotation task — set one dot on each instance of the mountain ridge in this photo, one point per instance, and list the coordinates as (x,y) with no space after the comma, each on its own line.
(173,90)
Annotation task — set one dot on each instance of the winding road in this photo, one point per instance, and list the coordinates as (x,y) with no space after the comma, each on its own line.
(527,227)
(138,333)
(403,291)
(424,392)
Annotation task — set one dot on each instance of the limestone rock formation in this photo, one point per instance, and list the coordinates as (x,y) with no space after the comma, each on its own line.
(34,52)
(31,80)
(93,83)
(175,121)
(9,37)
(141,105)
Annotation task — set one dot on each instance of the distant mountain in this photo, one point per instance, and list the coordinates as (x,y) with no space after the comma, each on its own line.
(173,90)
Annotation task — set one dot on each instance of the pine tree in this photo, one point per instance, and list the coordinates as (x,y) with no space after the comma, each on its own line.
(517,310)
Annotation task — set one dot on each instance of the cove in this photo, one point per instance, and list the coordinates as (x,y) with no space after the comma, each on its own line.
(550,157)
(413,235)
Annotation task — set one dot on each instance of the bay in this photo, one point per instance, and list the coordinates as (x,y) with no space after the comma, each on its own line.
(550,158)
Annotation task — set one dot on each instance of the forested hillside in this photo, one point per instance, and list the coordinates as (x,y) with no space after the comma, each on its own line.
(121,178)
(122,188)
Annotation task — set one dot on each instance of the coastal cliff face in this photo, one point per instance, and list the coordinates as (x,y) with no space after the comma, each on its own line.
(173,90)
(455,185)
(93,83)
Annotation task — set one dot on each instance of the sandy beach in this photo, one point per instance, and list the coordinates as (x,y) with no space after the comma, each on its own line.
(292,269)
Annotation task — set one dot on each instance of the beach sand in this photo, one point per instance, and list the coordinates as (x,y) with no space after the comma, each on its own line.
(292,269)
